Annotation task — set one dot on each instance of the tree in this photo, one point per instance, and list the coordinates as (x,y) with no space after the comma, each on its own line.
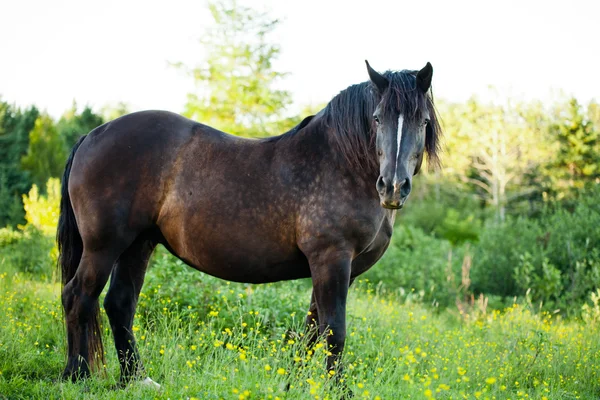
(72,124)
(46,153)
(236,83)
(15,125)
(493,149)
(576,160)
(114,111)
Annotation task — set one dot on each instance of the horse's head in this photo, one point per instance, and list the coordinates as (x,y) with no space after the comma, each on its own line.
(401,121)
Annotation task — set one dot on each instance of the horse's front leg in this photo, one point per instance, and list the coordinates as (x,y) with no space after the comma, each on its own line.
(312,322)
(330,271)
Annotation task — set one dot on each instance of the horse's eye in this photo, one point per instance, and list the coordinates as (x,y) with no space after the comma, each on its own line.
(427,121)
(376,118)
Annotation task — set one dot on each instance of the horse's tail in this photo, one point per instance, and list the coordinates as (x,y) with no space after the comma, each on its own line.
(70,249)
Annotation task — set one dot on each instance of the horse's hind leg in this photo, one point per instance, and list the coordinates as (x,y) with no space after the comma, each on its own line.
(121,301)
(80,301)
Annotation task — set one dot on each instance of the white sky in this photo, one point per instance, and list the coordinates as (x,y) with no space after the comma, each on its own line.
(99,52)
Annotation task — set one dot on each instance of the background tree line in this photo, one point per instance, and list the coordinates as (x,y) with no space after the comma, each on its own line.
(515,206)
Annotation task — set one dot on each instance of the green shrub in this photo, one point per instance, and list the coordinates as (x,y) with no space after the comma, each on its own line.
(27,250)
(556,258)
(418,262)
(499,252)
(42,211)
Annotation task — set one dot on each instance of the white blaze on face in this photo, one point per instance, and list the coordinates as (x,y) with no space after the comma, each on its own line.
(398,141)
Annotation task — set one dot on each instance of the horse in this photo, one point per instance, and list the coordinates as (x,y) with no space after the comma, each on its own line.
(316,202)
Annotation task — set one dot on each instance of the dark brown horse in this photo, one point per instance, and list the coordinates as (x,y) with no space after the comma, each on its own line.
(318,201)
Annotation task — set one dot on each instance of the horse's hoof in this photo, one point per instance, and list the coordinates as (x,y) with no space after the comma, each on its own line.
(75,375)
(150,383)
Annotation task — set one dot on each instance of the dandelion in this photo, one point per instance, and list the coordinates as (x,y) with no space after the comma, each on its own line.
(267,367)
(281,371)
(490,381)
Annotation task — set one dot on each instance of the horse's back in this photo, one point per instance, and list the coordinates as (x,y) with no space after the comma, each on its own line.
(122,168)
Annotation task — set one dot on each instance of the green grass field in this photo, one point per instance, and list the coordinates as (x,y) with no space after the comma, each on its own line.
(206,339)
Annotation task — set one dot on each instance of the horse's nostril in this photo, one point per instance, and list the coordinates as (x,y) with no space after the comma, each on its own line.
(380,184)
(405,188)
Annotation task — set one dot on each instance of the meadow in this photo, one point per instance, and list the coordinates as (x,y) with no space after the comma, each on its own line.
(203,338)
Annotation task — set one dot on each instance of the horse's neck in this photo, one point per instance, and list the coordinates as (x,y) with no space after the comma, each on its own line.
(313,144)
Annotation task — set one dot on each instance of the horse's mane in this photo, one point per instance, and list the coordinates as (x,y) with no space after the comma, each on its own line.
(348,117)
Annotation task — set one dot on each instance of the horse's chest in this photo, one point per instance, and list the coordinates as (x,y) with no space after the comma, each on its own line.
(376,248)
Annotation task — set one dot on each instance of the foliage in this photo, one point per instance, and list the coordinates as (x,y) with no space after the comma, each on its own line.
(494,149)
(31,248)
(110,112)
(41,211)
(591,312)
(577,142)
(237,83)
(556,256)
(418,263)
(441,210)
(15,125)
(27,250)
(72,125)
(46,153)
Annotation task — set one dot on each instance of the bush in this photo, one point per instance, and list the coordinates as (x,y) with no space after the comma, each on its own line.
(556,257)
(31,248)
(27,250)
(443,214)
(42,211)
(415,261)
(499,252)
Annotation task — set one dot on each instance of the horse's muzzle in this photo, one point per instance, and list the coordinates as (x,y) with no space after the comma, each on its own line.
(393,205)
(393,196)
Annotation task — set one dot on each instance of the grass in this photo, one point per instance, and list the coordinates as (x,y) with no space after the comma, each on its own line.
(207,339)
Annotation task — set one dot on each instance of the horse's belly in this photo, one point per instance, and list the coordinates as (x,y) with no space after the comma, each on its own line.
(236,267)
(235,253)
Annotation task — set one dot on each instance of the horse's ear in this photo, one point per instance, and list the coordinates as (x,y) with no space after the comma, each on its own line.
(379,80)
(424,77)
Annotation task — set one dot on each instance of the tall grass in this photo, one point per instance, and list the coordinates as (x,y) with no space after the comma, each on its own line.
(246,342)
